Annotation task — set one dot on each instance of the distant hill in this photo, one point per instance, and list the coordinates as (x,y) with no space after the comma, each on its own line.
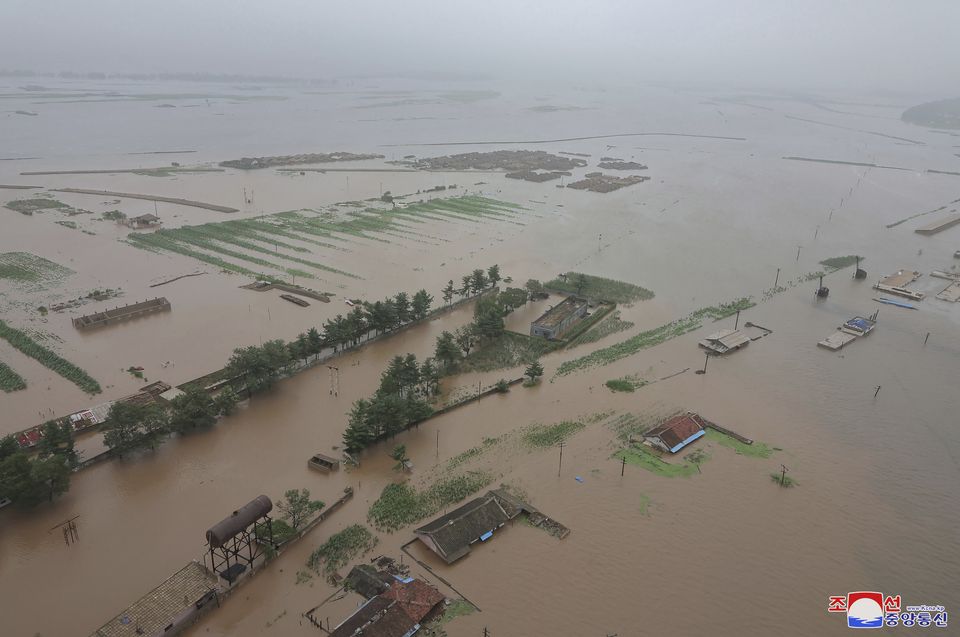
(939,114)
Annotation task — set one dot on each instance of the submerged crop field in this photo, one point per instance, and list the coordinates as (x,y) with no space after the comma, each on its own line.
(49,359)
(277,244)
(596,287)
(23,267)
(10,380)
(657,335)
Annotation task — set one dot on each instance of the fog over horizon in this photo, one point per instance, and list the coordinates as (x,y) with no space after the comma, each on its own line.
(854,46)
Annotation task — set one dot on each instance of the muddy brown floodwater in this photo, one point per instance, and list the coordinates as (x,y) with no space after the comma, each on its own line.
(718,553)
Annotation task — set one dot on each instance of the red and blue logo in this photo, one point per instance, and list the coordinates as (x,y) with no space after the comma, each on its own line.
(871,609)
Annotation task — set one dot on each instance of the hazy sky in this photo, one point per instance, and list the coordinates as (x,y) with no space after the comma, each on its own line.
(907,45)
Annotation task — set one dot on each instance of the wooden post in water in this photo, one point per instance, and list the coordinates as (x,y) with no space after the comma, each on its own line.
(623,465)
(783,474)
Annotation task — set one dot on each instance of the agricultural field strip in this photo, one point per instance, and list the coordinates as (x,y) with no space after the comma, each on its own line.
(9,379)
(207,242)
(652,337)
(49,359)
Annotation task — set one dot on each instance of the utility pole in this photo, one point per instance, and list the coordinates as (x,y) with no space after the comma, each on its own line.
(704,370)
(70,533)
(438,443)
(783,474)
(623,465)
(737,322)
(926,338)
(876,392)
(561,459)
(777,280)
(478,389)
(334,380)
(798,254)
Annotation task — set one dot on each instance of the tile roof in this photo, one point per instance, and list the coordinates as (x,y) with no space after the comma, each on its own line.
(677,429)
(416,598)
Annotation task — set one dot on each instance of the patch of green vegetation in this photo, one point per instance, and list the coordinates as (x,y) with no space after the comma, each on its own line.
(10,380)
(610,325)
(783,480)
(37,204)
(628,425)
(645,502)
(838,263)
(625,383)
(113,215)
(24,267)
(539,435)
(340,548)
(400,504)
(282,531)
(756,450)
(48,359)
(456,608)
(510,349)
(653,337)
(639,456)
(67,224)
(596,287)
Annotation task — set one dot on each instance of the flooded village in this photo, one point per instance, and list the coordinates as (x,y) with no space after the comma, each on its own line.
(472,357)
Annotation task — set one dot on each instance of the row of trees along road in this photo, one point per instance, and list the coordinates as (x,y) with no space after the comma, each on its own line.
(131,427)
(258,367)
(28,480)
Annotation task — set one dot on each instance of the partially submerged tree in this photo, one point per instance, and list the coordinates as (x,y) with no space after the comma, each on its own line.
(130,427)
(297,507)
(534,371)
(194,409)
(399,454)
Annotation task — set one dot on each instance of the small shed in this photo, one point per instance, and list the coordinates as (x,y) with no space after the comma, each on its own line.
(676,433)
(558,319)
(144,221)
(725,341)
(451,535)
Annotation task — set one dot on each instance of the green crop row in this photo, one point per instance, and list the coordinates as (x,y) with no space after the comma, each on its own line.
(401,504)
(340,548)
(656,336)
(10,380)
(49,359)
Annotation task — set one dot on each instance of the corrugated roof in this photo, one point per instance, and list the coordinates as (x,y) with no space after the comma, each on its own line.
(729,338)
(367,612)
(454,532)
(557,313)
(677,429)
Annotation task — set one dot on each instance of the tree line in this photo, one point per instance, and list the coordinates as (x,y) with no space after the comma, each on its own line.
(28,480)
